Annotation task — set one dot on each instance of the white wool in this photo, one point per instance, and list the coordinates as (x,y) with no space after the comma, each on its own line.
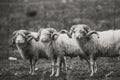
(67,45)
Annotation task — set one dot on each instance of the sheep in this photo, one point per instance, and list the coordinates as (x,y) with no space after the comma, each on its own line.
(61,45)
(30,49)
(96,43)
(25,47)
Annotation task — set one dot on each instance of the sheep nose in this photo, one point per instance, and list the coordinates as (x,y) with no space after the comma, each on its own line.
(44,40)
(79,37)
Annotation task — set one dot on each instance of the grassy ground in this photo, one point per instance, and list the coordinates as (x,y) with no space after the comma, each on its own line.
(18,70)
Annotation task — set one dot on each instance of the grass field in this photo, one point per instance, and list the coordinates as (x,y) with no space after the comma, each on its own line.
(18,70)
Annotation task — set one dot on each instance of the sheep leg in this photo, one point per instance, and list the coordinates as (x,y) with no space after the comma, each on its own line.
(53,68)
(92,66)
(95,70)
(58,66)
(63,63)
(30,60)
(87,62)
(33,66)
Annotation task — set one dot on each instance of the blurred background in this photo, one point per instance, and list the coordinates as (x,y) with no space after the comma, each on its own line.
(60,14)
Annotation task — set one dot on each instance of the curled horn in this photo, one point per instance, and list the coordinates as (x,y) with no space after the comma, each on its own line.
(86,28)
(29,39)
(13,36)
(90,33)
(14,33)
(72,29)
(55,36)
(66,32)
(35,38)
(39,34)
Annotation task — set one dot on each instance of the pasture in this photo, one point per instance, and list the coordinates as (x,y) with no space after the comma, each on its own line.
(18,70)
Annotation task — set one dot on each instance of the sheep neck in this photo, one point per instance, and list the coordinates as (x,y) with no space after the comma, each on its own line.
(22,49)
(48,48)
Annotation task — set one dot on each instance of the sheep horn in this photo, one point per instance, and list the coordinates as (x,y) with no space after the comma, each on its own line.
(37,39)
(72,29)
(86,28)
(55,36)
(29,39)
(90,33)
(14,36)
(65,31)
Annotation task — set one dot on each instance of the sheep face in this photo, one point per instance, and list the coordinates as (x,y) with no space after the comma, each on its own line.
(20,37)
(82,32)
(79,31)
(46,34)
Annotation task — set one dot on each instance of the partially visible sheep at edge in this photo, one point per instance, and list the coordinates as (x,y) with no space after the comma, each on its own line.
(96,43)
(61,45)
(47,49)
(28,48)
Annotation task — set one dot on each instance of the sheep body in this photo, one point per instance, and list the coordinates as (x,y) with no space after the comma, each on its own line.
(67,45)
(31,50)
(106,45)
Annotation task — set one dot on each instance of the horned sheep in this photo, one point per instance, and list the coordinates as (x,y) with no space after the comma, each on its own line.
(96,43)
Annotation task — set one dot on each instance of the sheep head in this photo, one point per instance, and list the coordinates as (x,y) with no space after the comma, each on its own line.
(81,31)
(45,35)
(20,37)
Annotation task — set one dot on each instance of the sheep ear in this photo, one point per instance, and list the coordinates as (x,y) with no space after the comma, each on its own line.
(90,33)
(72,29)
(54,36)
(65,32)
